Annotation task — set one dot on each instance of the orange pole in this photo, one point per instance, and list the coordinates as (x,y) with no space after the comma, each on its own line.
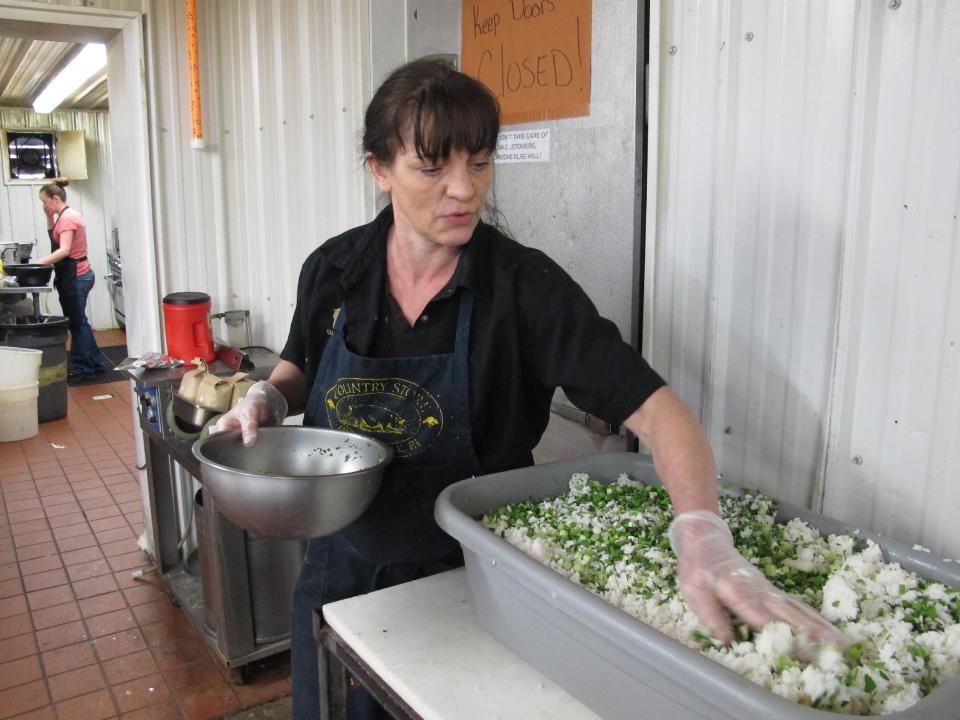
(193,67)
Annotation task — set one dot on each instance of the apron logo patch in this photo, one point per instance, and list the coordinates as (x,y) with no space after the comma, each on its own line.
(393,410)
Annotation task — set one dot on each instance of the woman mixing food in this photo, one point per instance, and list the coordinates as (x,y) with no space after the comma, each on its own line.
(429,312)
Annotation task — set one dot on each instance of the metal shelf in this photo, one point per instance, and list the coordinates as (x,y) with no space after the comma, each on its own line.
(35,291)
(186,590)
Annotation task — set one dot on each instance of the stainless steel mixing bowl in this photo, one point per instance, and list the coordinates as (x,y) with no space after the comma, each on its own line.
(295,482)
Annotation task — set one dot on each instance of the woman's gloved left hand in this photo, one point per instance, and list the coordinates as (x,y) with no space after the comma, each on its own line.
(712,576)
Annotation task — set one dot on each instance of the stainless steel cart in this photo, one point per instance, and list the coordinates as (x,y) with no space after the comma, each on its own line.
(234,587)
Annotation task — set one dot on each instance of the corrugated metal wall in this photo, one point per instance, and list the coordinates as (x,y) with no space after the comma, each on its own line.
(22,218)
(894,458)
(283,98)
(802,287)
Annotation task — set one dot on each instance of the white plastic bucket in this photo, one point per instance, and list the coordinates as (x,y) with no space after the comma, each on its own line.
(19,367)
(18,412)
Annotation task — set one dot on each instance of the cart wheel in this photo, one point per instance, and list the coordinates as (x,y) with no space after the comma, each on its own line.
(240,675)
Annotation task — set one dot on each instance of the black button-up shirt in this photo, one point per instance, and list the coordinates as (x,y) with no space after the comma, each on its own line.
(533,330)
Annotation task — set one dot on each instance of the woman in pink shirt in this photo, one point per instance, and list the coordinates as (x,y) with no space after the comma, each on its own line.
(73,277)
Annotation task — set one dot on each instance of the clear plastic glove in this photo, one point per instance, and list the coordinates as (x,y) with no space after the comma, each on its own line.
(262,405)
(713,575)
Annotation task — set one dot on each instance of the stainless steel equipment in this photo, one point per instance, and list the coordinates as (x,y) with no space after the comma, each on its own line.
(115,285)
(296,482)
(240,600)
(12,253)
(187,415)
(154,390)
(233,320)
(8,252)
(274,568)
(271,565)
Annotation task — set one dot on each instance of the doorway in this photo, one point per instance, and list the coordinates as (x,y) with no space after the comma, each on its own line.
(122,33)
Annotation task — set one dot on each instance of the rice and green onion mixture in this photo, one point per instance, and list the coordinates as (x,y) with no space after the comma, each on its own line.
(612,540)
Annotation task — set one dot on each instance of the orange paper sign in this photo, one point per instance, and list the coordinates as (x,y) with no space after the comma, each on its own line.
(533,54)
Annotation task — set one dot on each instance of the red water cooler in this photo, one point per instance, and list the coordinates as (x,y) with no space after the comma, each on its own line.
(186,321)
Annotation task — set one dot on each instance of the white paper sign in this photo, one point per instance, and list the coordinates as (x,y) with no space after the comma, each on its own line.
(515,146)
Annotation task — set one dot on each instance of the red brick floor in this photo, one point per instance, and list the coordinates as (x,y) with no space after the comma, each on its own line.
(80,638)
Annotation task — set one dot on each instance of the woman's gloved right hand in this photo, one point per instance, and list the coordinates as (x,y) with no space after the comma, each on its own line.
(262,405)
(714,577)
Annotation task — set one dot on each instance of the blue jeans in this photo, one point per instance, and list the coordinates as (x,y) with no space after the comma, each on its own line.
(85,357)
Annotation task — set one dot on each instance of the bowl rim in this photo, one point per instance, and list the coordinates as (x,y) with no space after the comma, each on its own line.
(13,268)
(235,433)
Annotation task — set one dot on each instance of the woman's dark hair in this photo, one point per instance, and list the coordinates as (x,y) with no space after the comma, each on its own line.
(440,108)
(56,188)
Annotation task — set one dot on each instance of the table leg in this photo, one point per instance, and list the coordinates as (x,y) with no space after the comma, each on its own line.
(339,663)
(333,676)
(36,305)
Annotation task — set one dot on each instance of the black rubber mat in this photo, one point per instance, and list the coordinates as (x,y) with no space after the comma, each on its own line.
(114,354)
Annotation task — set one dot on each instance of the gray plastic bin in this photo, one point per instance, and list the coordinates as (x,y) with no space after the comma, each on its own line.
(615,664)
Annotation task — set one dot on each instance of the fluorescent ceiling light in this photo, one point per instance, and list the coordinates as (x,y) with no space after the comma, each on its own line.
(87,62)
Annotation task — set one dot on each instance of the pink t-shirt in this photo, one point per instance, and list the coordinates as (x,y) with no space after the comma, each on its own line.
(70,219)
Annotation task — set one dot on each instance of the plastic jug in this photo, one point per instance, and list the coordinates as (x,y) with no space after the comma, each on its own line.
(186,321)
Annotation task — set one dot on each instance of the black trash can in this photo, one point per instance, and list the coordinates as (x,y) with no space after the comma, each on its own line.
(48,334)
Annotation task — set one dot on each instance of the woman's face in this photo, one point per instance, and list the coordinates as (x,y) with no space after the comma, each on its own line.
(50,203)
(439,202)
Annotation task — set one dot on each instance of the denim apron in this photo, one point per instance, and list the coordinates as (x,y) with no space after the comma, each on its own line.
(421,406)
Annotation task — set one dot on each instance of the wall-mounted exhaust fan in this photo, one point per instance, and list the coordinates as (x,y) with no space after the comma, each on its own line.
(32,155)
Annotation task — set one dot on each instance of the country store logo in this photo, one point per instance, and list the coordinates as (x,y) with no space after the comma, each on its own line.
(393,410)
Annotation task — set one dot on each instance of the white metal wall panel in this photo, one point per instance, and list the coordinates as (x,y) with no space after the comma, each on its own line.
(894,454)
(22,218)
(753,127)
(802,287)
(684,150)
(283,98)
